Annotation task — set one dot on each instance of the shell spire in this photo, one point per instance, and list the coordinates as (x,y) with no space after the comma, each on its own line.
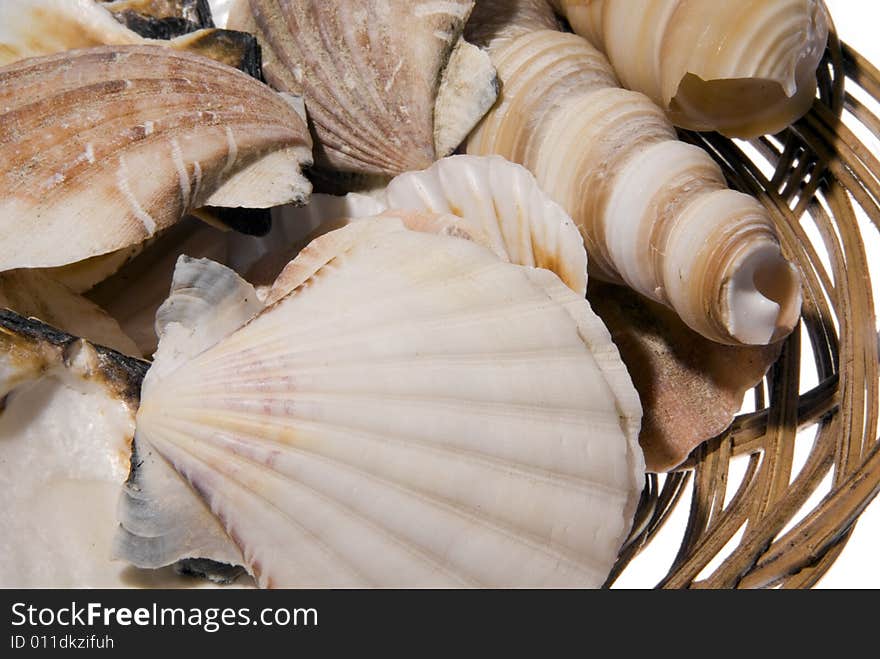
(654,213)
(741,68)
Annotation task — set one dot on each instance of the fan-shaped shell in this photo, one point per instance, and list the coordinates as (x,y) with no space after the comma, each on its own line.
(408,410)
(742,68)
(502,205)
(102,147)
(371,73)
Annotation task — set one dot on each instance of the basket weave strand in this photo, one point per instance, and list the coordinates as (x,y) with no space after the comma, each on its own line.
(820,170)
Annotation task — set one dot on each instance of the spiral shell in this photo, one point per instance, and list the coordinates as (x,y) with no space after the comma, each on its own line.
(654,212)
(741,68)
(102,147)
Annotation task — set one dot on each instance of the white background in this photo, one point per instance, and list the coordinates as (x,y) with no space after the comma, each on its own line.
(857,23)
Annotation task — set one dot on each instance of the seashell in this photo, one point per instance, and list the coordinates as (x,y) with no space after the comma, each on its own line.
(133,294)
(690,388)
(503,208)
(389,85)
(741,68)
(67,420)
(60,480)
(82,276)
(34,294)
(486,199)
(205,133)
(654,212)
(43,27)
(497,21)
(465,422)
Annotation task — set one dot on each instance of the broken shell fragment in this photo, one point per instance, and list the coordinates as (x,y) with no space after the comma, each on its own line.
(34,294)
(389,85)
(130,139)
(741,68)
(654,212)
(133,295)
(66,425)
(466,422)
(690,388)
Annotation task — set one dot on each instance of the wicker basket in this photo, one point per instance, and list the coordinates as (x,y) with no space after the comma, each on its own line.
(820,172)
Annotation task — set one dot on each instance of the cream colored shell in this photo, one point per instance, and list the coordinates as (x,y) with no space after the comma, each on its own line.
(742,67)
(654,212)
(407,411)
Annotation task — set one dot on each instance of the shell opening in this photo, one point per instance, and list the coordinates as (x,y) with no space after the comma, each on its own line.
(764,298)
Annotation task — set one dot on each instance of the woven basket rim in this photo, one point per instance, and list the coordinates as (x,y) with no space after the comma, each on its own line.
(821,172)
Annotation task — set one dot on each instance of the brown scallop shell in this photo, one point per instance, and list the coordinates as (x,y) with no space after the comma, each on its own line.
(102,147)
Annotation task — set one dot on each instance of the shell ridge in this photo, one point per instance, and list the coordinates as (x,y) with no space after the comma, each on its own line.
(509,531)
(587,484)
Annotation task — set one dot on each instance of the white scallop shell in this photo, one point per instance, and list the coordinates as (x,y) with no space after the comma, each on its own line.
(487,199)
(500,201)
(407,411)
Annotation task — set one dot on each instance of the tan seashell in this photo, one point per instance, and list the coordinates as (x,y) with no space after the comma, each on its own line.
(101,148)
(741,68)
(654,212)
(43,27)
(67,420)
(465,422)
(389,85)
(690,388)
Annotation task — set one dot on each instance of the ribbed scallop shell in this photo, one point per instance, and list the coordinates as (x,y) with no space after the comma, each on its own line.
(502,205)
(102,147)
(370,72)
(486,199)
(654,212)
(744,68)
(408,411)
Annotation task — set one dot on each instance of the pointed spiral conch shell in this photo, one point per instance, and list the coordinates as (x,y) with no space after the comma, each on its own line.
(389,85)
(654,212)
(102,147)
(741,68)
(408,410)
